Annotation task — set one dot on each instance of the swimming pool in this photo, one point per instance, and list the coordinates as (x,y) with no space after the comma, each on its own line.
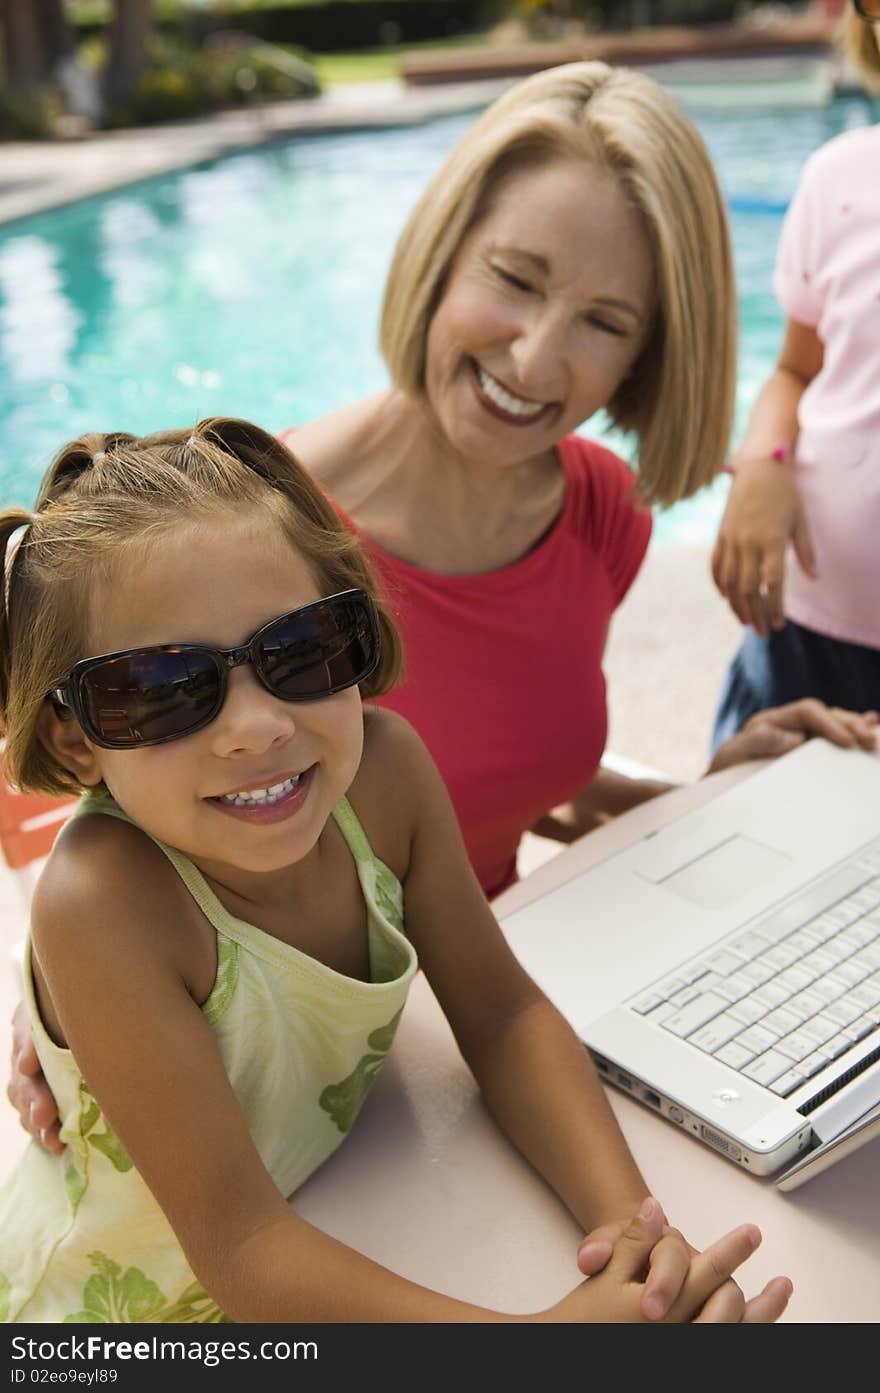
(251,286)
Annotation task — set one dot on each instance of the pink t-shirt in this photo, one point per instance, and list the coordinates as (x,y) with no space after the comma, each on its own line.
(828,277)
(503,676)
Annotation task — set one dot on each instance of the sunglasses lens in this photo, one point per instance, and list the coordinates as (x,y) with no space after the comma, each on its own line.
(144,698)
(332,645)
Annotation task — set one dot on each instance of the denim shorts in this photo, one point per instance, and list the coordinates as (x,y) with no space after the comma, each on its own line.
(790,663)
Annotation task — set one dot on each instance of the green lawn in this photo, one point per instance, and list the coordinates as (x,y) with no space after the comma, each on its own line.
(380,64)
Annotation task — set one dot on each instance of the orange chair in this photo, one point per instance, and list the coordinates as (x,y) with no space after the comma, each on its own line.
(29,823)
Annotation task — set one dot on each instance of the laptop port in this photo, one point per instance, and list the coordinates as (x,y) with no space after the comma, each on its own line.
(651,1097)
(624,1079)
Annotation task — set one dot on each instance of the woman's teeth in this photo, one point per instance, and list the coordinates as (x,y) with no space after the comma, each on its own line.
(514,406)
(261,797)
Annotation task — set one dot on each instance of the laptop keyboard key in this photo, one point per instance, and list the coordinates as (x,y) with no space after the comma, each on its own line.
(735,1054)
(697,1012)
(716,1033)
(767,1067)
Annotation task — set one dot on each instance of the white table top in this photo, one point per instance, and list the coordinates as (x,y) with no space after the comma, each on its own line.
(428,1186)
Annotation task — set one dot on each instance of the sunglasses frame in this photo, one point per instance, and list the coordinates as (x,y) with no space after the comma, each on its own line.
(69,694)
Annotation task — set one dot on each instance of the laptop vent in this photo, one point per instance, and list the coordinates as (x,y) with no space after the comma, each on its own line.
(837,1084)
(720,1143)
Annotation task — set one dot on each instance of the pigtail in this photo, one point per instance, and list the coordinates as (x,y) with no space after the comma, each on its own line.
(74,460)
(12,520)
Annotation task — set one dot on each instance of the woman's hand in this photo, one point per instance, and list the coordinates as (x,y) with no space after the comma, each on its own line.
(779,729)
(764,513)
(27,1089)
(645,1262)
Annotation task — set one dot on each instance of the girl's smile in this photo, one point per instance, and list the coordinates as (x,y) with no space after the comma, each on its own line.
(268,802)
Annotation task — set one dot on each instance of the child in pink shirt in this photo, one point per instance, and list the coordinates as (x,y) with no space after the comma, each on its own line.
(797,554)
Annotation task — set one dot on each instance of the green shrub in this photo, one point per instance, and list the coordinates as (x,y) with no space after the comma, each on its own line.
(183,81)
(30,115)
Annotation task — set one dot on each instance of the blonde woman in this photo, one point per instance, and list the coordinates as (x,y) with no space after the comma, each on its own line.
(571,254)
(797,555)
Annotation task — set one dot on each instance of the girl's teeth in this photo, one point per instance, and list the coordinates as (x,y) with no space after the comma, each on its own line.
(257,796)
(514,406)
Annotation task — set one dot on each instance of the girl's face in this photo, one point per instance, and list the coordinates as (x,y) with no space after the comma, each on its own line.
(547,305)
(217,581)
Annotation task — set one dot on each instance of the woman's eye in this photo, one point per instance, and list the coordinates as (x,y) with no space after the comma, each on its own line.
(510,279)
(606,328)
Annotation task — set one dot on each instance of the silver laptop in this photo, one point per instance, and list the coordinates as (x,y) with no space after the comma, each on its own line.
(725,970)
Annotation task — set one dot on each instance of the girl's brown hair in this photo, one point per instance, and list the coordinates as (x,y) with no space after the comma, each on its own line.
(104,492)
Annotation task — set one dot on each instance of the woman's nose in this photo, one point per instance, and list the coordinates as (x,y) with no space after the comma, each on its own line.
(251,719)
(538,351)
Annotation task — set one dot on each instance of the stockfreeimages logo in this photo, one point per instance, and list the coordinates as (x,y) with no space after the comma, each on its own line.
(94,1348)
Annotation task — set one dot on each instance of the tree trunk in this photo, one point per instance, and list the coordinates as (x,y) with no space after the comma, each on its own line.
(58,40)
(130,37)
(24,52)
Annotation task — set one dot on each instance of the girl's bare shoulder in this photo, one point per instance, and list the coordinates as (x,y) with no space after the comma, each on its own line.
(105,877)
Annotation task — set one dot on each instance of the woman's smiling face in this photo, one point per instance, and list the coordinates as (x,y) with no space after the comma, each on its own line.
(546,307)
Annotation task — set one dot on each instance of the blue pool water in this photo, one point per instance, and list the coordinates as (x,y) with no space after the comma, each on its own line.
(251,286)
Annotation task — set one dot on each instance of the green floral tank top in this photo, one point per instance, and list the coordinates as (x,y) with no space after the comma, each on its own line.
(81,1237)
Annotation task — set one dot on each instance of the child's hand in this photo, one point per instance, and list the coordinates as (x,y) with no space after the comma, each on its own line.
(668,1263)
(704,1290)
(27,1089)
(763,514)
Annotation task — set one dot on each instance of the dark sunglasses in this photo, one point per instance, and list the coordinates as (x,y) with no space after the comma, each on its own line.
(147,696)
(868,9)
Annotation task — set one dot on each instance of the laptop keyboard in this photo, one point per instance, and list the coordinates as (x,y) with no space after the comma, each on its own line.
(782,999)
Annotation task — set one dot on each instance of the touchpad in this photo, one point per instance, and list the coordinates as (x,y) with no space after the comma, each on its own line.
(725,872)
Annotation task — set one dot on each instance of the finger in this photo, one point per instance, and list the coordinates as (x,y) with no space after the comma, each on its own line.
(803,545)
(773,575)
(712,1268)
(24,1056)
(771,1303)
(42,1110)
(669,1265)
(862,724)
(767,741)
(629,1261)
(597,1247)
(726,1306)
(811,717)
(750,591)
(50,1140)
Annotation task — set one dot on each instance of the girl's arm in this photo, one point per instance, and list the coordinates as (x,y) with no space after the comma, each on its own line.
(115,945)
(535,1075)
(764,511)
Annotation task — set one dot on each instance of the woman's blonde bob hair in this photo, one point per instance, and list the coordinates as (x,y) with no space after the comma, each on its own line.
(104,500)
(679,396)
(858,39)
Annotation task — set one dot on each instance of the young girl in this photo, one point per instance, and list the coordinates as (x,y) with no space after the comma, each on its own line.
(797,553)
(217,960)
